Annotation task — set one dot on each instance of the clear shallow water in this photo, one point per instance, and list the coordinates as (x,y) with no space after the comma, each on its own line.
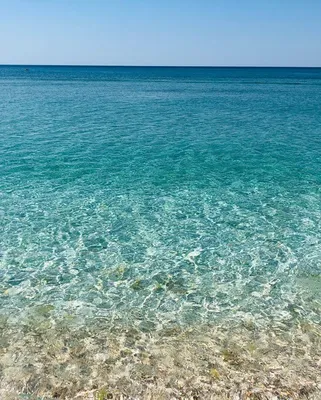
(157,214)
(151,196)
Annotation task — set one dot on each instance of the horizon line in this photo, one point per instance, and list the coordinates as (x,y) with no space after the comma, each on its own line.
(156,66)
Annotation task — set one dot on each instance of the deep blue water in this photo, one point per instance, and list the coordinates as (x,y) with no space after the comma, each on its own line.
(154,195)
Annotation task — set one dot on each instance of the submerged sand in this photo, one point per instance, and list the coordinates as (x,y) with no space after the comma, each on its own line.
(63,361)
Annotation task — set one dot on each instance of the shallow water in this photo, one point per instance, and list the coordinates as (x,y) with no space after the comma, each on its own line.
(158,198)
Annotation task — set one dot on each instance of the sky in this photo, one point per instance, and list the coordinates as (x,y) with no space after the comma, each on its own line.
(161,32)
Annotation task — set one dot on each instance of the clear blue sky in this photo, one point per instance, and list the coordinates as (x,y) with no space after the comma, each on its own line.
(162,32)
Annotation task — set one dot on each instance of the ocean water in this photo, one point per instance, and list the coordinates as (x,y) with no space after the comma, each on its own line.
(152,198)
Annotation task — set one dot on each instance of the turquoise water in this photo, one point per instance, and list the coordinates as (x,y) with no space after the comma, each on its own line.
(158,196)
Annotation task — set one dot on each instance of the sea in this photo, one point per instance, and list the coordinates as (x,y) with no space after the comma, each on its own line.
(158,224)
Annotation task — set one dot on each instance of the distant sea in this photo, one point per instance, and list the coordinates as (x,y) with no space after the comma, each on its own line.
(143,209)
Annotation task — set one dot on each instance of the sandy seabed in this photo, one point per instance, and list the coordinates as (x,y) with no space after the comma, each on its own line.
(63,361)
